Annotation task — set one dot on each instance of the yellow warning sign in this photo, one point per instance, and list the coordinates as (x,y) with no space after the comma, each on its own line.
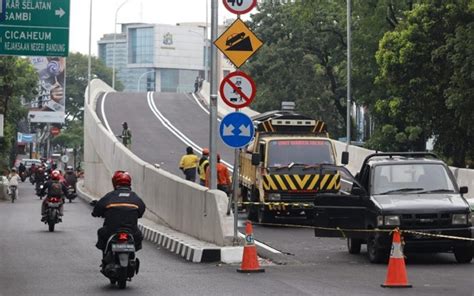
(238,43)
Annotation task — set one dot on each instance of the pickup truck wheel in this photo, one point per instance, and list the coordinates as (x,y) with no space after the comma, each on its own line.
(353,245)
(374,252)
(463,254)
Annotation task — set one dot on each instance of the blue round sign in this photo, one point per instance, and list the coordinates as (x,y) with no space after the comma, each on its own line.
(236,130)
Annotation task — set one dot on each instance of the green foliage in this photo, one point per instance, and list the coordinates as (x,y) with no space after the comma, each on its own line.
(18,81)
(426,66)
(76,82)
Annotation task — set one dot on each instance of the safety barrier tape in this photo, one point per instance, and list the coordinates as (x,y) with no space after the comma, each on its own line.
(344,231)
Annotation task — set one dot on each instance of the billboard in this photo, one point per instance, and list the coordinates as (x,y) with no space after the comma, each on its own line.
(49,106)
(25,138)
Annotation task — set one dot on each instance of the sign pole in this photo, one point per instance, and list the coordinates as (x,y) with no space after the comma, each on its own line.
(235,182)
(213,99)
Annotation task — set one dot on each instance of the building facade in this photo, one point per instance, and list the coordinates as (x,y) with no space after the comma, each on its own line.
(155,57)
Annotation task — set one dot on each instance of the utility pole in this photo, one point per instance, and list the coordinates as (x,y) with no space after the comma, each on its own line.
(348,123)
(213,99)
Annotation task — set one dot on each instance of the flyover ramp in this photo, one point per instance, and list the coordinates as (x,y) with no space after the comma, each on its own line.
(183,206)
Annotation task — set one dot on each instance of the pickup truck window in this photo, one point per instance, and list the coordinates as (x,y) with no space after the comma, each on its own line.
(309,152)
(411,178)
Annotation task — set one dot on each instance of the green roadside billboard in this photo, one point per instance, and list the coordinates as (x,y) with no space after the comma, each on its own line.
(34,27)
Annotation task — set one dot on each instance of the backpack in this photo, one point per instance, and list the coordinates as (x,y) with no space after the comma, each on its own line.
(56,189)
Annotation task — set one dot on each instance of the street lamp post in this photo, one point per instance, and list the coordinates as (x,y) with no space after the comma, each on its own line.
(115,43)
(141,76)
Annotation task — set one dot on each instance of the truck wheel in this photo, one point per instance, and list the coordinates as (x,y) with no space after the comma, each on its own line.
(376,254)
(353,245)
(463,254)
(265,216)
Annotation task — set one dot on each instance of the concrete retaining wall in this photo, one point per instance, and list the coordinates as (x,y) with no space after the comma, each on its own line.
(179,204)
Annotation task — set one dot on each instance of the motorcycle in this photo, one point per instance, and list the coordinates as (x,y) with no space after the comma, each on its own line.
(39,187)
(52,212)
(23,176)
(71,193)
(119,263)
(13,192)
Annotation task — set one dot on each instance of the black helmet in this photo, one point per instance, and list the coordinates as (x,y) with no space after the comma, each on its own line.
(189,150)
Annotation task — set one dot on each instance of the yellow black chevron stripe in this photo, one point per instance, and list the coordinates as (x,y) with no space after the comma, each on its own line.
(327,182)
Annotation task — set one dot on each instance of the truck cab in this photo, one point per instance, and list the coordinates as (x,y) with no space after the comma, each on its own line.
(415,192)
(283,169)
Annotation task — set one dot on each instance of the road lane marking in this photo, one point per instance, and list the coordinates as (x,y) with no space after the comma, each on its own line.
(173,129)
(102,105)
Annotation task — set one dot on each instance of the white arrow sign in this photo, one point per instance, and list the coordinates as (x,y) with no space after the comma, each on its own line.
(228,130)
(245,131)
(60,12)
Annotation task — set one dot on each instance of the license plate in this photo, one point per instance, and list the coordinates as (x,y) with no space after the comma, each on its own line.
(53,205)
(123,248)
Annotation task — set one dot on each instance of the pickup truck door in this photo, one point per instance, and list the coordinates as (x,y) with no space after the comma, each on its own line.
(338,213)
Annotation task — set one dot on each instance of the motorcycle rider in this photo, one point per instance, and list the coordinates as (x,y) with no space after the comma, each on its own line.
(55,189)
(70,177)
(13,181)
(121,209)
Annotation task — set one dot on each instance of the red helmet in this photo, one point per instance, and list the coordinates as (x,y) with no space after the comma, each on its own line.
(205,151)
(121,178)
(55,175)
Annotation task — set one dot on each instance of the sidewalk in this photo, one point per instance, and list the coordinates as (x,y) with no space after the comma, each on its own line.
(181,244)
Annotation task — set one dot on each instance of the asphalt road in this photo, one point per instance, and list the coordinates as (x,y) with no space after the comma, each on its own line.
(36,262)
(308,265)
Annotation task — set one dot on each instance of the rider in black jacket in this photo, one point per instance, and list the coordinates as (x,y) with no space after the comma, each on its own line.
(121,208)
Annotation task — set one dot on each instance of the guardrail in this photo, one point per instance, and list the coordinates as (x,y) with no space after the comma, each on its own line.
(182,205)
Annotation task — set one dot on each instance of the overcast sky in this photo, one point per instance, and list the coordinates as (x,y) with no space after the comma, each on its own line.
(149,11)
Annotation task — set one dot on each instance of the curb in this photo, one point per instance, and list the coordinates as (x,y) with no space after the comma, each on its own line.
(181,246)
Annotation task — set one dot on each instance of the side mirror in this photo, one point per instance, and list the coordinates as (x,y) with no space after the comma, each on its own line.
(93,202)
(345,157)
(463,189)
(255,158)
(358,191)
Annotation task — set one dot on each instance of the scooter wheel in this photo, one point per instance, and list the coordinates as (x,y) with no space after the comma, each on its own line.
(122,284)
(113,282)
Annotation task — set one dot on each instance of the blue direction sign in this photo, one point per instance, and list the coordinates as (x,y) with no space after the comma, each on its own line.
(236,130)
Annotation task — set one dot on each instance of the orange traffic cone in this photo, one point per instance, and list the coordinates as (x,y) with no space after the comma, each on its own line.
(249,258)
(396,274)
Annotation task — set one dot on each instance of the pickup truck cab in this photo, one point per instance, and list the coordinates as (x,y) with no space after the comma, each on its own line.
(412,191)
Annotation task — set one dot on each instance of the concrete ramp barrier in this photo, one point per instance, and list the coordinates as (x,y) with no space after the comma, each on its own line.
(181,205)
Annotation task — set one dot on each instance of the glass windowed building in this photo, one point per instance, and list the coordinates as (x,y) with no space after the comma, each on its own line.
(153,57)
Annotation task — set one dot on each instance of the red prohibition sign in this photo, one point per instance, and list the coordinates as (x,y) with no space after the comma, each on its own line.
(243,6)
(238,90)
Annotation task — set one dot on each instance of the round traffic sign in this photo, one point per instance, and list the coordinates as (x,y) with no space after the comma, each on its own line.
(236,129)
(55,131)
(240,6)
(238,90)
(64,158)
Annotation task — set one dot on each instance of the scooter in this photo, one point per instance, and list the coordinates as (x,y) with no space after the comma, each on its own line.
(39,187)
(71,193)
(13,192)
(52,212)
(119,263)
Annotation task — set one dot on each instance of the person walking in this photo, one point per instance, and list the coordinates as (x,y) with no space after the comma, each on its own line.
(126,136)
(188,164)
(202,167)
(223,178)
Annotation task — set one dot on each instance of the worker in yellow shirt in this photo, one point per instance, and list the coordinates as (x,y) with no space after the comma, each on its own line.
(188,164)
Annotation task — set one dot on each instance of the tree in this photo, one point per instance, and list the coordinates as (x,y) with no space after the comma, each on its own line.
(76,82)
(18,80)
(426,65)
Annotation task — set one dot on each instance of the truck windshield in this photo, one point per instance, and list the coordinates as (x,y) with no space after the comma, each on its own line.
(411,178)
(308,152)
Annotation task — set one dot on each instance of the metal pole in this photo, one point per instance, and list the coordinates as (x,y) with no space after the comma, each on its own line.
(348,133)
(89,60)
(115,41)
(206,52)
(235,182)
(213,98)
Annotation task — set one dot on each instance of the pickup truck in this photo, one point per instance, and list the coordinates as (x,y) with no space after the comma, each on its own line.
(411,191)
